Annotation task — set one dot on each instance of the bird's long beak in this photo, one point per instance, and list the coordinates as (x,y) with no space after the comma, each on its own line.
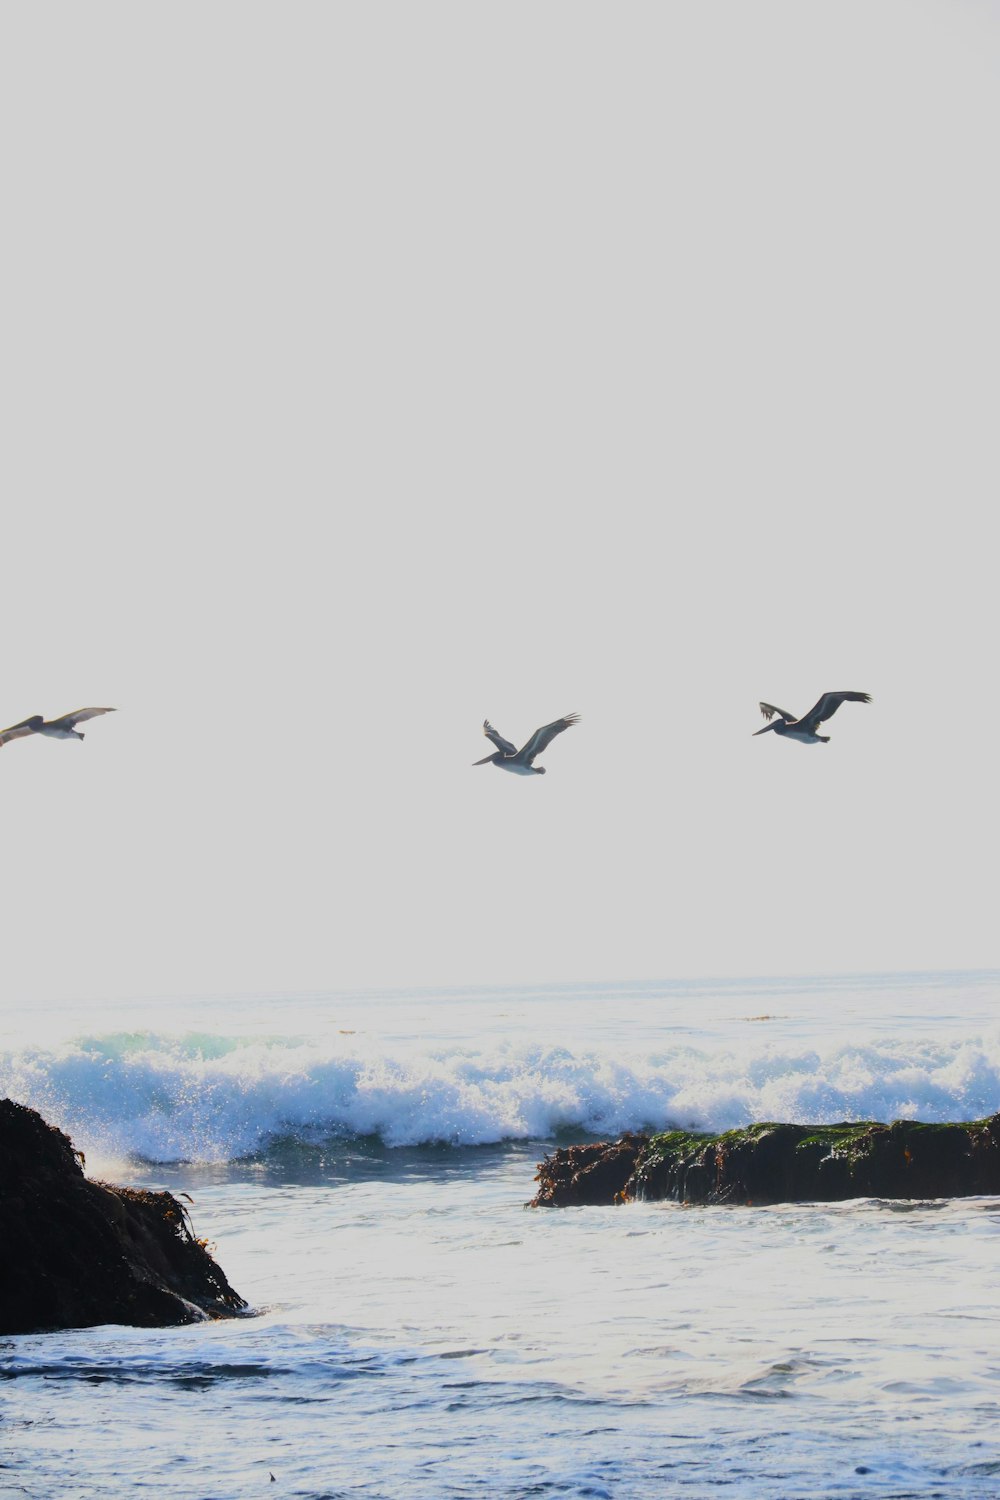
(761,731)
(484,760)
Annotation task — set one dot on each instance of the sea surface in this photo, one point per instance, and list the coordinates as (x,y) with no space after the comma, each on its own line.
(361,1163)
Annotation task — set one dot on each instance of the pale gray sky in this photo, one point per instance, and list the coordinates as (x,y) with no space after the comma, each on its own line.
(370,369)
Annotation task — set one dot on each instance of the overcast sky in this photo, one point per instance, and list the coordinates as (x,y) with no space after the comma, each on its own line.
(370,369)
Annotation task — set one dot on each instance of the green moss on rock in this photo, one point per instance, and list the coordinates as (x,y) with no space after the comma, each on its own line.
(769,1162)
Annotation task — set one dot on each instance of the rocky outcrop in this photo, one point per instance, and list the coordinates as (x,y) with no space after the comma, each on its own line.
(592,1174)
(75,1252)
(770,1163)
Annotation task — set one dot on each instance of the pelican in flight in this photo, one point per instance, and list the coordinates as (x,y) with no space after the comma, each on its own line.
(509,758)
(57,729)
(804,729)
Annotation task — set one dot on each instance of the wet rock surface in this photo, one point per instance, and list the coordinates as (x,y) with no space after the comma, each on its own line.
(593,1174)
(74,1252)
(775,1163)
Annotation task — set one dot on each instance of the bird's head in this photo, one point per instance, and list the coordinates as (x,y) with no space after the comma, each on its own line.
(487,759)
(773,725)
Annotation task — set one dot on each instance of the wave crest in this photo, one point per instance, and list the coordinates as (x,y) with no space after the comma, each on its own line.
(215,1099)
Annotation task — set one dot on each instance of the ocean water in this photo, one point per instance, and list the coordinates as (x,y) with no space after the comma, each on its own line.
(361,1162)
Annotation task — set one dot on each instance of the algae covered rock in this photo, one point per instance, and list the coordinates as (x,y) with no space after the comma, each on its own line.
(782,1163)
(75,1252)
(597,1173)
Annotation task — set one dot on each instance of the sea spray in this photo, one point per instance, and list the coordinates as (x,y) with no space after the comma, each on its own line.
(196,1097)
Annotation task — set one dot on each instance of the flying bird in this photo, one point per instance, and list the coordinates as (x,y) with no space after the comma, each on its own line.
(509,758)
(57,729)
(804,729)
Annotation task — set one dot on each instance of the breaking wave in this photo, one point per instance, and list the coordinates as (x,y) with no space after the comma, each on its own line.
(214,1099)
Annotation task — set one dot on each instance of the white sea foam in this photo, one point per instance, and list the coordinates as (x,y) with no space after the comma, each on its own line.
(214,1098)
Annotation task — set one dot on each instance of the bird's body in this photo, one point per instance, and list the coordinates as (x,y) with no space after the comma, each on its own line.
(515,767)
(520,762)
(57,730)
(63,728)
(805,729)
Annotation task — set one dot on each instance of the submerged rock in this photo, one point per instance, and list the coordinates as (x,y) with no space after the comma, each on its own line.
(75,1252)
(771,1163)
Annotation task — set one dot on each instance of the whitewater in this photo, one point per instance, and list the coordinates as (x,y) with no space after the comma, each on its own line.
(361,1162)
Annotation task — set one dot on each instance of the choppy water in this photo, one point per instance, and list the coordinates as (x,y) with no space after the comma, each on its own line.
(361,1163)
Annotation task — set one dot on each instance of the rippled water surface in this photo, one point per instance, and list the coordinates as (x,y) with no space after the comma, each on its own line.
(417,1332)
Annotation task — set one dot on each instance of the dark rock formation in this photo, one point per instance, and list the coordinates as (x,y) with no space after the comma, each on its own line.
(780,1164)
(75,1252)
(589,1174)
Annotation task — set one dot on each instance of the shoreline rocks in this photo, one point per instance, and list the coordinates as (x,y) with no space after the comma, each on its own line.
(779,1163)
(74,1252)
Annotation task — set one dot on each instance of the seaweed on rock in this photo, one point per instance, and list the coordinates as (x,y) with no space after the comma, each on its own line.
(780,1163)
(597,1173)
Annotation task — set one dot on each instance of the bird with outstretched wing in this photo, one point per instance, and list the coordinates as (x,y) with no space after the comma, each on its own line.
(521,762)
(63,728)
(806,729)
